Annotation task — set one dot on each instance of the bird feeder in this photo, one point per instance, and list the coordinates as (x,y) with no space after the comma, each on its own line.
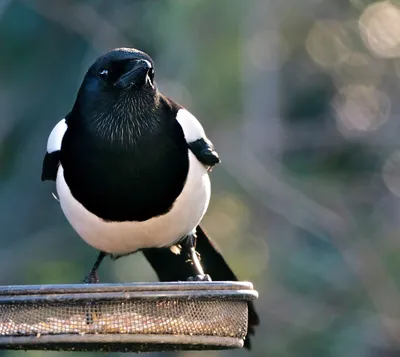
(137,317)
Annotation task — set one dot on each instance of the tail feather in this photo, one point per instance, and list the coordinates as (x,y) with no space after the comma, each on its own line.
(174,267)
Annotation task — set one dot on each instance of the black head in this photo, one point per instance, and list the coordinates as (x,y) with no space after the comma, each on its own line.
(122,69)
(118,87)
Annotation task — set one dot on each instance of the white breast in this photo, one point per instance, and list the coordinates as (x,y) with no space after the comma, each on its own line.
(127,237)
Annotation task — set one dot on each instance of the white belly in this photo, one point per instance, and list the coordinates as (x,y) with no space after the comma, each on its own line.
(127,237)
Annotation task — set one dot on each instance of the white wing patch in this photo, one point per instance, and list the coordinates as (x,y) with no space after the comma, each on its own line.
(191,126)
(56,136)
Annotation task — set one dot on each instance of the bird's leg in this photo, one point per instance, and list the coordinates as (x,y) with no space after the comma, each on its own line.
(92,277)
(92,311)
(189,245)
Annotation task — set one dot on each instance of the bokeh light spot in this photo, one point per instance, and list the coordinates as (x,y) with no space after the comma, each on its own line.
(391,173)
(360,109)
(328,43)
(380,29)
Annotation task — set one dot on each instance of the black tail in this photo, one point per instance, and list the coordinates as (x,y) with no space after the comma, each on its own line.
(172,267)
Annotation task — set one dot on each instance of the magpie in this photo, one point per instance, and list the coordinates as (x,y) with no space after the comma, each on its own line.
(131,168)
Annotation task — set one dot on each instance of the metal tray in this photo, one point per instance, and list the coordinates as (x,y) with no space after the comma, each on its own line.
(125,317)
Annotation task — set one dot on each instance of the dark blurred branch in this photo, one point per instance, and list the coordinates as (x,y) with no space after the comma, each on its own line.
(82,19)
(273,191)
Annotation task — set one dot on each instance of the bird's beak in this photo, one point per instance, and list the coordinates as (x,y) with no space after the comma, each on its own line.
(134,76)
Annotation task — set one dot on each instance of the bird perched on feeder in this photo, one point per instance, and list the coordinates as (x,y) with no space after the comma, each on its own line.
(131,171)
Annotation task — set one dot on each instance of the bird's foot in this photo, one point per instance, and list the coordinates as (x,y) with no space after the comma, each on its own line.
(200,277)
(91,278)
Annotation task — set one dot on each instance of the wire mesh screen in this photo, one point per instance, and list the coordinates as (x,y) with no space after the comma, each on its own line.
(129,317)
(177,317)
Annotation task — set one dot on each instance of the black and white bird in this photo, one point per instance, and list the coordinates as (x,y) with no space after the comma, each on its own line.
(131,170)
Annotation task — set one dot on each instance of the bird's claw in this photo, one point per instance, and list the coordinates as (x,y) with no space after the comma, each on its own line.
(92,278)
(199,277)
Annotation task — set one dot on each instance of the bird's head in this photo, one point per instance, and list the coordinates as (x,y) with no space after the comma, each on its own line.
(120,70)
(118,86)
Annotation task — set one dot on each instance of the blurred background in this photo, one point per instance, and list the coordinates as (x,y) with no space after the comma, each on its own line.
(301,101)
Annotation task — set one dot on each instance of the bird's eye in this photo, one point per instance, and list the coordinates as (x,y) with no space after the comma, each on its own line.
(151,74)
(103,73)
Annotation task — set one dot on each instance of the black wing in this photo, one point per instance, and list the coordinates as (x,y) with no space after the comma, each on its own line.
(204,151)
(50,166)
(51,160)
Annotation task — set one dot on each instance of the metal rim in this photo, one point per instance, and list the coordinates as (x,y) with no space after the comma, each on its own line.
(126,287)
(127,343)
(125,292)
